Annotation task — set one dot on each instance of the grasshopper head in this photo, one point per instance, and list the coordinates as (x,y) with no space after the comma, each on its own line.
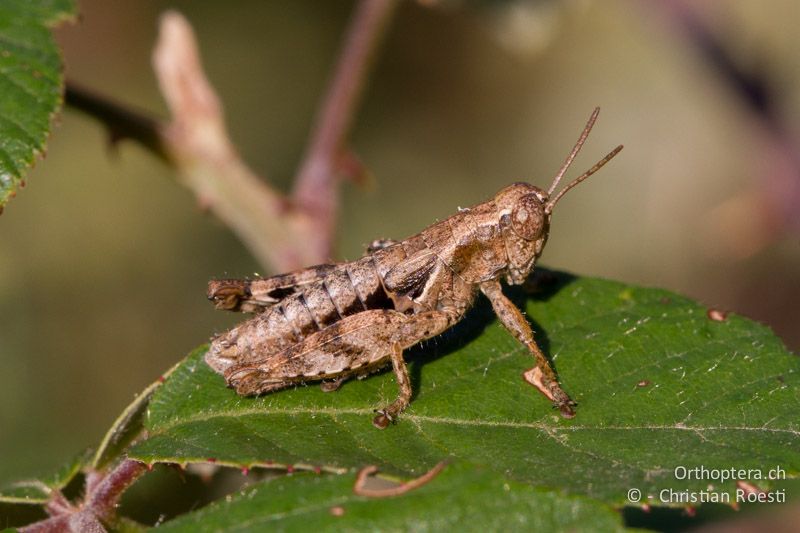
(524,224)
(525,211)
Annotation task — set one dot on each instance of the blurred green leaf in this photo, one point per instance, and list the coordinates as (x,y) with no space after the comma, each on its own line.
(31,81)
(38,490)
(462,496)
(658,384)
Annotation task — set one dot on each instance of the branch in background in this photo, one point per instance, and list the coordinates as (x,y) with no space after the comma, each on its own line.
(198,144)
(121,121)
(751,220)
(282,233)
(99,505)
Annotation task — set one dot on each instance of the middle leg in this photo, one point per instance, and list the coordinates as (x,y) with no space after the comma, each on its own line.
(418,328)
(389,413)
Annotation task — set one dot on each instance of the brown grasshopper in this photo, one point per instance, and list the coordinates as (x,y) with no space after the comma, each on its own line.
(331,322)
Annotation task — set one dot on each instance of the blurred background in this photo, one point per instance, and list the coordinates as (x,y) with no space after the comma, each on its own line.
(105,259)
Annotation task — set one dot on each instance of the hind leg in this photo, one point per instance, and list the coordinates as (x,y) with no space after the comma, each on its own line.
(354,345)
(390,412)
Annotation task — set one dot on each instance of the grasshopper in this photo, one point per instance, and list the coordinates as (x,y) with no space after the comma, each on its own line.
(332,322)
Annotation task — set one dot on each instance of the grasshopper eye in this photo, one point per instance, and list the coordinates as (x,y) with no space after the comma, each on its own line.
(527,217)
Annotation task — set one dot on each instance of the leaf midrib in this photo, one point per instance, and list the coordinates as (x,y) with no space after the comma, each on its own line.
(408,417)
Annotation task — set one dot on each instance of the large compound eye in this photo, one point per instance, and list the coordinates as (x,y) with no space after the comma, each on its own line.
(527,217)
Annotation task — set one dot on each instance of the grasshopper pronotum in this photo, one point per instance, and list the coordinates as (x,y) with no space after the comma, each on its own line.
(331,322)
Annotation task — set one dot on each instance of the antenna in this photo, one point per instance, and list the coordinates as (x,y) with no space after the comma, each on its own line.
(571,157)
(597,166)
(575,150)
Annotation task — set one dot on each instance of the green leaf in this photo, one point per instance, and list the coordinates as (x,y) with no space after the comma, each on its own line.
(474,499)
(31,81)
(37,491)
(659,385)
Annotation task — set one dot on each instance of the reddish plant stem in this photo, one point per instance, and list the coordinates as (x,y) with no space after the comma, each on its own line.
(103,492)
(103,500)
(315,189)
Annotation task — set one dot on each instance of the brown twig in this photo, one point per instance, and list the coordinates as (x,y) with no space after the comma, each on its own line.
(360,488)
(282,233)
(122,122)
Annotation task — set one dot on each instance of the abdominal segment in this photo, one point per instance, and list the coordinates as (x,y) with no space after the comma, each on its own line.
(347,290)
(357,344)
